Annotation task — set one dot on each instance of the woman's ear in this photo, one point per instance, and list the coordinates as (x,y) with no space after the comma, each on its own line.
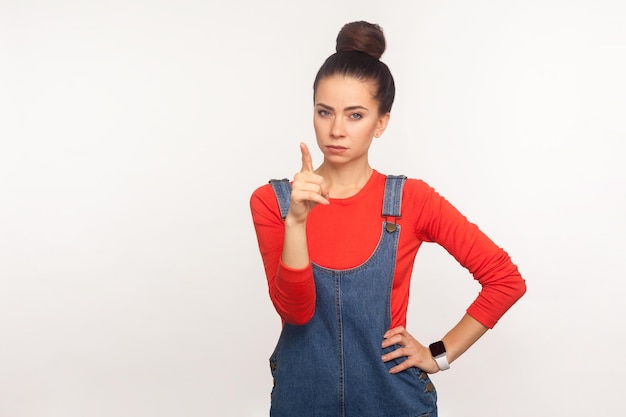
(381,125)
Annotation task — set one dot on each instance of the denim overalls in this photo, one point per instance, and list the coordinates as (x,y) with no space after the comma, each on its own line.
(332,366)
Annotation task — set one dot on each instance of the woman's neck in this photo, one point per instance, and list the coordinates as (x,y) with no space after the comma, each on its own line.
(345,181)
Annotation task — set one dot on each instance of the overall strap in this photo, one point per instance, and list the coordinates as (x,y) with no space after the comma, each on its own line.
(393,196)
(282,189)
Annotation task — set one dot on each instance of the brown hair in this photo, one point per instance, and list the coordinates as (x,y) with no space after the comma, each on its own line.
(359,48)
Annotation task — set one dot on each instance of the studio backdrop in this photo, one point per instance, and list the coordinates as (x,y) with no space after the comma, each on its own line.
(132,134)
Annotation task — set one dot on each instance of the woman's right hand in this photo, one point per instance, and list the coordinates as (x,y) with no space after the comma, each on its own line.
(307,190)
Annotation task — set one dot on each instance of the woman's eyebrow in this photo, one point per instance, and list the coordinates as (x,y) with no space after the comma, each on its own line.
(349,108)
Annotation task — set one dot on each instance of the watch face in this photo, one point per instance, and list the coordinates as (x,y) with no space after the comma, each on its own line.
(437,349)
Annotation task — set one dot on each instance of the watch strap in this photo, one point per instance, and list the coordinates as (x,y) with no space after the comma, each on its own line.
(442,362)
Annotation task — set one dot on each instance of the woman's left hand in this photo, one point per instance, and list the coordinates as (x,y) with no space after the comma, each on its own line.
(416,354)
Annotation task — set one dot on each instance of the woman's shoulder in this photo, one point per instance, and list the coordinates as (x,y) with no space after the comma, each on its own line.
(411,184)
(263,196)
(262,190)
(267,190)
(419,185)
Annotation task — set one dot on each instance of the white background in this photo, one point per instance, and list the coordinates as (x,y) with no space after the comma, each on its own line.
(132,134)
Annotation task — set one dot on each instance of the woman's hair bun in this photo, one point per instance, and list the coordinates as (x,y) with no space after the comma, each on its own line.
(363,37)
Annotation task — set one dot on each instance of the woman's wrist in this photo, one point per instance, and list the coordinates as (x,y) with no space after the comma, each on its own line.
(293,222)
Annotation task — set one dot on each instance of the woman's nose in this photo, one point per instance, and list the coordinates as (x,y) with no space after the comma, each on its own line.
(338,128)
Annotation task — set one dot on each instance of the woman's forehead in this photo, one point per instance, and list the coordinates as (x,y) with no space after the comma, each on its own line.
(345,89)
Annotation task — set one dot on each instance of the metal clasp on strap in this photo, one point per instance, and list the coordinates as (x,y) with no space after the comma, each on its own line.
(389,226)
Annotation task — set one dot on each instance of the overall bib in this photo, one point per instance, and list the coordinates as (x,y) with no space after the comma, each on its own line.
(332,366)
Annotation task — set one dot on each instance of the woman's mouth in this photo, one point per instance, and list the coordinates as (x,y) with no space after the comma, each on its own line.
(336,149)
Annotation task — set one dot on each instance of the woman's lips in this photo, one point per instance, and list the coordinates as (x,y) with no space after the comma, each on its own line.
(336,149)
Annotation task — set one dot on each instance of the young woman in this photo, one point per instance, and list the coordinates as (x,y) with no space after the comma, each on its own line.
(338,245)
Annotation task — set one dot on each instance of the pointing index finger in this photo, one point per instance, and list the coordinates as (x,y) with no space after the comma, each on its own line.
(307,160)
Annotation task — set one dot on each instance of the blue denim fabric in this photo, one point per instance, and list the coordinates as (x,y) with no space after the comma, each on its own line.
(332,366)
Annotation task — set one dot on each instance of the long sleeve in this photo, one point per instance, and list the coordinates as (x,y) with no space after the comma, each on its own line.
(292,291)
(502,284)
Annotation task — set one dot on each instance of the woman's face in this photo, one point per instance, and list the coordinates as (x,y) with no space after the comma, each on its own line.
(346,118)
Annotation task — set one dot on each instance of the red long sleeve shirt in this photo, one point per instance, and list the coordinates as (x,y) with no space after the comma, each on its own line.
(345,233)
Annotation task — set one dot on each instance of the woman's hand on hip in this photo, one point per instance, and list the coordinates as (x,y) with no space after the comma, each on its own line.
(307,190)
(416,354)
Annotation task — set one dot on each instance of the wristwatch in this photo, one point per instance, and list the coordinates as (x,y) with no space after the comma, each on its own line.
(438,350)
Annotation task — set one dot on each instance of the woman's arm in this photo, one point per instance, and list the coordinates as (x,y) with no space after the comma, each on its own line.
(462,336)
(490,265)
(502,284)
(283,245)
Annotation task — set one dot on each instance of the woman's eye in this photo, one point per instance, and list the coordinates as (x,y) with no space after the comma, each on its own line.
(356,116)
(323,113)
